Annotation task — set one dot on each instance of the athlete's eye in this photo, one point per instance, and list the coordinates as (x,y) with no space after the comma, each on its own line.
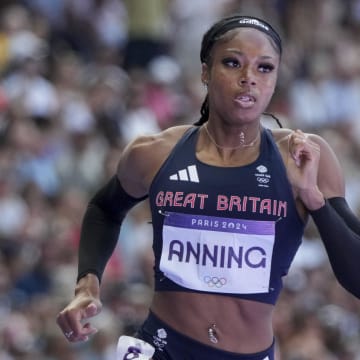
(231,62)
(266,68)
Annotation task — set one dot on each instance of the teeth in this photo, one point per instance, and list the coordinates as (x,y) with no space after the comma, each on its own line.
(245,101)
(246,98)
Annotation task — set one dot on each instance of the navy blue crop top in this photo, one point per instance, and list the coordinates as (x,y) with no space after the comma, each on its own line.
(223,230)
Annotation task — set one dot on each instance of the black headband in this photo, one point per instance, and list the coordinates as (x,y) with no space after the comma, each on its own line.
(234,22)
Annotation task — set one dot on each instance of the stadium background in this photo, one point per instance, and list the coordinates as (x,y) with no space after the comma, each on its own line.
(81,78)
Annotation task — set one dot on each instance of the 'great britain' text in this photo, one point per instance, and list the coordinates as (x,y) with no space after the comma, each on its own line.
(223,203)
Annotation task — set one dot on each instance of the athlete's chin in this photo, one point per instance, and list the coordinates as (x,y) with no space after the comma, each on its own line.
(247,117)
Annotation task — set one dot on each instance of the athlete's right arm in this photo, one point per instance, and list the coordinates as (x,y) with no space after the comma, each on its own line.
(99,234)
(138,164)
(109,206)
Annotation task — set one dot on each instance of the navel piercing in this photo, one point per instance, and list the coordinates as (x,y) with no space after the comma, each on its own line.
(213,334)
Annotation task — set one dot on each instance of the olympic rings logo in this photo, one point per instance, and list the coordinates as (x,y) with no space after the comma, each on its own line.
(262,180)
(214,281)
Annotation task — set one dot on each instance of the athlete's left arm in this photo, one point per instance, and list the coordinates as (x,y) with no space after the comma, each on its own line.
(321,189)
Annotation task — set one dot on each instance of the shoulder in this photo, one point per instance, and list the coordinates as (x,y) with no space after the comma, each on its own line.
(281,137)
(142,158)
(153,146)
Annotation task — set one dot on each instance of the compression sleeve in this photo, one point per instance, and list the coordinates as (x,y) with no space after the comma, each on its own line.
(343,209)
(101,226)
(339,229)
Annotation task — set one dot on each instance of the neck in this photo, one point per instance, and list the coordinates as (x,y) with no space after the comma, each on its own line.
(243,142)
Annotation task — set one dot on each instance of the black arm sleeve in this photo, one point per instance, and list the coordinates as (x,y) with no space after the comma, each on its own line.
(339,229)
(101,227)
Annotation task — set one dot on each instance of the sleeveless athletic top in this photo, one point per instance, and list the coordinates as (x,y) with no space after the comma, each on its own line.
(223,230)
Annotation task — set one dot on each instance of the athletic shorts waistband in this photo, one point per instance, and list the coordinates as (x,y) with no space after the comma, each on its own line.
(172,345)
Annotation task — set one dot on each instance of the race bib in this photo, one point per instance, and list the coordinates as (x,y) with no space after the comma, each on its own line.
(216,254)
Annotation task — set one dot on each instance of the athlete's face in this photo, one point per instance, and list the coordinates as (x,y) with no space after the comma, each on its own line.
(241,75)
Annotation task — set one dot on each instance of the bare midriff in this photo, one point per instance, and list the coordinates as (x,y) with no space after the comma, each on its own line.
(242,326)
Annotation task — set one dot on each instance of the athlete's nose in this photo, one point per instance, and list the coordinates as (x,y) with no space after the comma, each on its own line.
(246,76)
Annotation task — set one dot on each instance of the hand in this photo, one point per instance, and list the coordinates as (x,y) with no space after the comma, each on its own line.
(302,167)
(86,304)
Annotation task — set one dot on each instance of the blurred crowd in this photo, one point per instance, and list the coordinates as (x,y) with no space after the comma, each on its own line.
(79,79)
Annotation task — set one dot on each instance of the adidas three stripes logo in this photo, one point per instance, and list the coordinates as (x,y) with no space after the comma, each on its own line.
(187,174)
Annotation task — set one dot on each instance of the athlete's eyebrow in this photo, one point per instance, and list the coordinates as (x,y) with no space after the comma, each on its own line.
(240,53)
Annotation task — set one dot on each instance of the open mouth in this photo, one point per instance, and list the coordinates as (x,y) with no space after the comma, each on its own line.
(245,100)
